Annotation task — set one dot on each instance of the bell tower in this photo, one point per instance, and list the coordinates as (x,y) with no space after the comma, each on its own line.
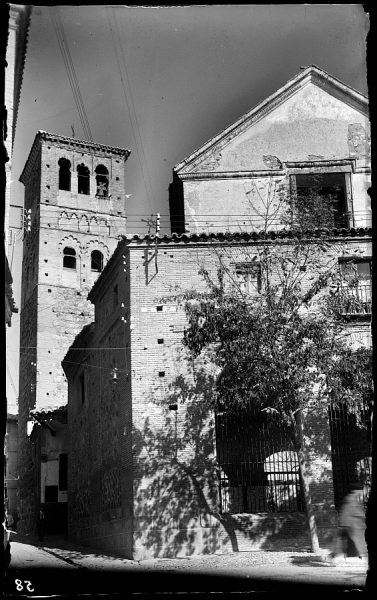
(75,208)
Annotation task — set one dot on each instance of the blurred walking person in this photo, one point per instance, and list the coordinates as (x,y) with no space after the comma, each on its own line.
(350,537)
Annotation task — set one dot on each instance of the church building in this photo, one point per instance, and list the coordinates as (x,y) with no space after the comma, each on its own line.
(152,473)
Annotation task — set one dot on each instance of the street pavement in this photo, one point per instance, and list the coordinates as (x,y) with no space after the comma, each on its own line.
(59,566)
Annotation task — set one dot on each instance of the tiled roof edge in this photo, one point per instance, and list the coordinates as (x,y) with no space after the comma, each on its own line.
(251,236)
(49,411)
(22,46)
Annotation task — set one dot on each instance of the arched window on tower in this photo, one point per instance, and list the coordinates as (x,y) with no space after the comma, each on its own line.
(69,258)
(64,174)
(83,180)
(96,261)
(102,179)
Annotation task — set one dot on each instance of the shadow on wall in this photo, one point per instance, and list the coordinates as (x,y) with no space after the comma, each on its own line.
(176,489)
(176,485)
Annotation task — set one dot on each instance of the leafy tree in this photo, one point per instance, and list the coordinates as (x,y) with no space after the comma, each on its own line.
(269,323)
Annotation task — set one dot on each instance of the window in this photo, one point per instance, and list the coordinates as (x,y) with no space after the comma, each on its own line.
(96,261)
(69,258)
(102,180)
(63,472)
(248,277)
(259,469)
(51,493)
(64,174)
(356,286)
(83,180)
(321,200)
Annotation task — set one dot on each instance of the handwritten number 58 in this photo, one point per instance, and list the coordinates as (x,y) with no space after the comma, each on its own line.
(21,584)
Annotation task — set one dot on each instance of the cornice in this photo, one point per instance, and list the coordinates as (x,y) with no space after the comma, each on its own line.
(230,174)
(72,143)
(340,164)
(347,163)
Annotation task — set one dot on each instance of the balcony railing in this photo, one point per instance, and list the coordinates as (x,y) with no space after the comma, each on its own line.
(356,300)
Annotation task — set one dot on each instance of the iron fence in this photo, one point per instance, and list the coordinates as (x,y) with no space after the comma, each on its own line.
(259,469)
(351,450)
(356,300)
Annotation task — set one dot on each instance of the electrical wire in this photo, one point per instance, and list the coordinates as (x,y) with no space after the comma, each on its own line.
(129,102)
(61,208)
(70,69)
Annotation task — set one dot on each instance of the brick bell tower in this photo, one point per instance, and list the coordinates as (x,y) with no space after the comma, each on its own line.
(75,209)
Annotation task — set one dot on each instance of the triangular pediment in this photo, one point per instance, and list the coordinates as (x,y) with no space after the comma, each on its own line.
(311,108)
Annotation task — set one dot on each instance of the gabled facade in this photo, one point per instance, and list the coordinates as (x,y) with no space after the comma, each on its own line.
(152,472)
(313,127)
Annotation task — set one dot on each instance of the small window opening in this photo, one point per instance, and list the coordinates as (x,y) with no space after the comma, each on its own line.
(102,180)
(69,258)
(96,261)
(83,180)
(64,174)
(248,276)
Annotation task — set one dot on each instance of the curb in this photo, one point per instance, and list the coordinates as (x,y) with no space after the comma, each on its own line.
(67,560)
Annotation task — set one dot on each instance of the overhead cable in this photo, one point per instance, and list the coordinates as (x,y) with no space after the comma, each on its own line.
(71,73)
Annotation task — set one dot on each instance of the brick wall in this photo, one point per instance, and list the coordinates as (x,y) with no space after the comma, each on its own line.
(100,465)
(55,301)
(176,503)
(27,394)
(154,461)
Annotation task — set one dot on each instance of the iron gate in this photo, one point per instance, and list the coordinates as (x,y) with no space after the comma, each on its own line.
(351,451)
(259,469)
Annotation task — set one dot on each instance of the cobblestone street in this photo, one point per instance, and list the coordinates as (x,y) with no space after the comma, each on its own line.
(251,570)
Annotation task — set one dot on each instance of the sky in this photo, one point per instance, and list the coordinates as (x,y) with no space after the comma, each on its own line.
(162,81)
